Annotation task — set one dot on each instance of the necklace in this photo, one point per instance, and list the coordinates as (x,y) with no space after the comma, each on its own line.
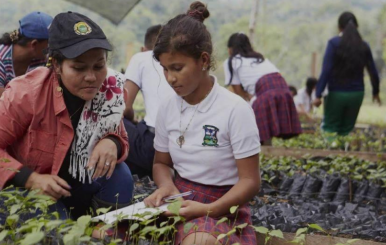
(181,138)
(75,112)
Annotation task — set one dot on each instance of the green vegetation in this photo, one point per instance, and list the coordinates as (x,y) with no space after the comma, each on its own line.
(370,140)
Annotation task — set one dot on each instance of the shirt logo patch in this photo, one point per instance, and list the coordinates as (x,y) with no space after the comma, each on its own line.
(82,28)
(210,138)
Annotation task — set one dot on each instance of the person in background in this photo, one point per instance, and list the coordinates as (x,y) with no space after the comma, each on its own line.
(61,127)
(144,73)
(346,57)
(254,77)
(206,134)
(293,90)
(23,49)
(303,99)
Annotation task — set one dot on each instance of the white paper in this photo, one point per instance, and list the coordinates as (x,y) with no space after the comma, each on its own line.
(129,213)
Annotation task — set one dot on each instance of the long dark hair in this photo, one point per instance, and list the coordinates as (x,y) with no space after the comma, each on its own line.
(350,57)
(16,37)
(240,45)
(310,85)
(186,33)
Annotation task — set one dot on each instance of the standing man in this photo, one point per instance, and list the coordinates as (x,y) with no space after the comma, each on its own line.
(146,74)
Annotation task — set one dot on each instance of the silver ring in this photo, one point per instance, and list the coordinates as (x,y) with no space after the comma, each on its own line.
(107,164)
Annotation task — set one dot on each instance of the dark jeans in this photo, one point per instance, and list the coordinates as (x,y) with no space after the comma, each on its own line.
(141,153)
(100,193)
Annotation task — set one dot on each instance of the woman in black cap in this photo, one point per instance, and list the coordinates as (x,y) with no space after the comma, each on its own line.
(61,126)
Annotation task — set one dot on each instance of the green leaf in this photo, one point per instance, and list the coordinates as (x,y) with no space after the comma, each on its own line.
(116,241)
(242,226)
(102,210)
(84,239)
(221,236)
(12,219)
(352,241)
(148,229)
(15,208)
(301,231)
(133,227)
(277,233)
(83,221)
(188,226)
(32,238)
(3,235)
(316,227)
(261,229)
(231,232)
(222,220)
(175,207)
(233,209)
(53,224)
(69,239)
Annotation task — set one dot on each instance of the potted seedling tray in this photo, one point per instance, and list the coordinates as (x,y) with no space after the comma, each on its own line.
(314,239)
(298,153)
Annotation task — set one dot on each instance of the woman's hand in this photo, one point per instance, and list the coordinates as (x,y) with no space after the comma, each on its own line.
(377,99)
(192,209)
(317,102)
(155,199)
(50,185)
(103,159)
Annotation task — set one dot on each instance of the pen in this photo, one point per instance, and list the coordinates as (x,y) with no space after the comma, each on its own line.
(177,196)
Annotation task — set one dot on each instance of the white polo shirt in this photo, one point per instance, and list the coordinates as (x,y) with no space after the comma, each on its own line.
(246,71)
(222,130)
(148,74)
(302,98)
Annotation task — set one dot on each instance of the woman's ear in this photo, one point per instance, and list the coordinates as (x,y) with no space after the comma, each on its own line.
(56,65)
(205,58)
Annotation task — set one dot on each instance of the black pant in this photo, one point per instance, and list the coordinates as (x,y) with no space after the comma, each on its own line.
(141,152)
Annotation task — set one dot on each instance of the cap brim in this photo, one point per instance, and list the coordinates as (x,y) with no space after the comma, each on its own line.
(77,49)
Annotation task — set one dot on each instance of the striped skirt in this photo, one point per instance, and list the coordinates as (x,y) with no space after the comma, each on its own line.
(208,194)
(274,108)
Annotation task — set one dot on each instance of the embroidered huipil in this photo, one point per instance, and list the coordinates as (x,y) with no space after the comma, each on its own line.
(35,128)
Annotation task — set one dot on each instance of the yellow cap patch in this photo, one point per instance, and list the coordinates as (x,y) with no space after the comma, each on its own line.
(82,28)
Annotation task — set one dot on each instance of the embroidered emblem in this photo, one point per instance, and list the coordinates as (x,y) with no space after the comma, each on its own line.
(82,28)
(210,138)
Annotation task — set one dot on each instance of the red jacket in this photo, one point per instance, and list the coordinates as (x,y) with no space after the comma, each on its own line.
(35,127)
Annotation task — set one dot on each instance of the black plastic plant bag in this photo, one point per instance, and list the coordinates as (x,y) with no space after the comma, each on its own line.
(343,193)
(311,187)
(361,191)
(297,185)
(374,192)
(329,187)
(285,185)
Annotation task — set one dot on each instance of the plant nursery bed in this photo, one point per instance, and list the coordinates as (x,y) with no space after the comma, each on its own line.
(298,153)
(313,239)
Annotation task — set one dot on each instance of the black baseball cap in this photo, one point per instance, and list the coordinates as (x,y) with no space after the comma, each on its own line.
(73,34)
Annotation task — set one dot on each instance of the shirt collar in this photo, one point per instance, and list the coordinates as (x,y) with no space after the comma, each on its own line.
(204,105)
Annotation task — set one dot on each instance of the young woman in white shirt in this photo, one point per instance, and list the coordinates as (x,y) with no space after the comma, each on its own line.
(206,134)
(255,78)
(303,99)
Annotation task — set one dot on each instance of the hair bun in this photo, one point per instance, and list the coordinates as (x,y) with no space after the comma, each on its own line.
(198,11)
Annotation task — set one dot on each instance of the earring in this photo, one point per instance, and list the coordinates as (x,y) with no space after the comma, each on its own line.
(203,69)
(49,62)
